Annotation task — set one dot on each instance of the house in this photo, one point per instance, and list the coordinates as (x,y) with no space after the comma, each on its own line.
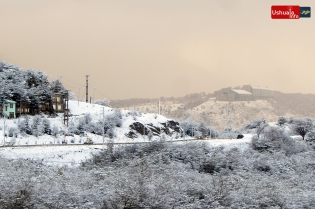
(246,93)
(259,92)
(9,110)
(234,95)
(58,102)
(241,95)
(59,98)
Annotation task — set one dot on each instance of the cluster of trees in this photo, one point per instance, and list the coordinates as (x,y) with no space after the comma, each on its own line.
(88,124)
(275,171)
(24,85)
(196,129)
(37,125)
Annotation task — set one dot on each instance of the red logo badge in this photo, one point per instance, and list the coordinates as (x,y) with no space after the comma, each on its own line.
(285,12)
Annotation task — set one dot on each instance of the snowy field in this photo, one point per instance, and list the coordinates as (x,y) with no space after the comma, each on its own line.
(73,155)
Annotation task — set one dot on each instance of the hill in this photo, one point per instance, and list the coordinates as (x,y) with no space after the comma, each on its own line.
(204,107)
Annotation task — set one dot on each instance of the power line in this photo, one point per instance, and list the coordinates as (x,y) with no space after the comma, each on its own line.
(73,82)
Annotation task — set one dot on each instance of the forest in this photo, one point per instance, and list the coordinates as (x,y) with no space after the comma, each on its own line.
(274,171)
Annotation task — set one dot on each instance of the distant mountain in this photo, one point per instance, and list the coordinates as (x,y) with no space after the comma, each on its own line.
(204,107)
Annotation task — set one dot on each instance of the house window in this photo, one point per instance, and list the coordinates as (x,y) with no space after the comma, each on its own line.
(11,105)
(5,108)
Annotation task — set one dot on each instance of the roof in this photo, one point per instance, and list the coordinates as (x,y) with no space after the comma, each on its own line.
(8,101)
(264,88)
(241,91)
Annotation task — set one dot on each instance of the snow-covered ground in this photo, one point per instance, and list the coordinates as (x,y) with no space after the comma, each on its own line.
(241,144)
(52,155)
(74,155)
(49,150)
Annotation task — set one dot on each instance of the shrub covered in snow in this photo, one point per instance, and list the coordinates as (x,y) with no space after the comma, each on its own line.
(193,128)
(103,102)
(302,126)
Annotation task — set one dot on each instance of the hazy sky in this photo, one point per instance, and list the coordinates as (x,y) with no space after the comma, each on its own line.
(152,48)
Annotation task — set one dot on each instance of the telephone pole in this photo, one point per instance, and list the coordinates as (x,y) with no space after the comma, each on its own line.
(228,119)
(159,107)
(87,88)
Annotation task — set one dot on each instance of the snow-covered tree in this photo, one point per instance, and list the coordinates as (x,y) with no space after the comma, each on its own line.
(46,126)
(282,121)
(37,128)
(24,125)
(55,131)
(302,126)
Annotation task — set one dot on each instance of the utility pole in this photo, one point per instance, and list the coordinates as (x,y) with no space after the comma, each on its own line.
(210,118)
(79,96)
(228,119)
(87,88)
(159,107)
(93,95)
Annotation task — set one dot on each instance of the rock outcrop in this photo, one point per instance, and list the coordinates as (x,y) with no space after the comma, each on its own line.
(170,127)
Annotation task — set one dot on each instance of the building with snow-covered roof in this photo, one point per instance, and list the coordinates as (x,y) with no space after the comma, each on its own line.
(241,95)
(246,93)
(235,95)
(259,92)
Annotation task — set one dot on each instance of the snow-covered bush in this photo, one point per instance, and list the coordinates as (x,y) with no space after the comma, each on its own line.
(275,140)
(46,126)
(13,132)
(37,128)
(103,102)
(228,133)
(96,128)
(72,128)
(55,131)
(24,125)
(193,128)
(310,136)
(302,126)
(114,119)
(134,113)
(282,121)
(251,126)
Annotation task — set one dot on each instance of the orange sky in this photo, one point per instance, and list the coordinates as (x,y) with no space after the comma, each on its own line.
(141,48)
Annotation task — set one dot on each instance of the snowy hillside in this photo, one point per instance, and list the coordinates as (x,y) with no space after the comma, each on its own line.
(214,113)
(124,118)
(49,148)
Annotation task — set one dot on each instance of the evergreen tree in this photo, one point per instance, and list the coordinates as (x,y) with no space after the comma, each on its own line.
(37,128)
(46,126)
